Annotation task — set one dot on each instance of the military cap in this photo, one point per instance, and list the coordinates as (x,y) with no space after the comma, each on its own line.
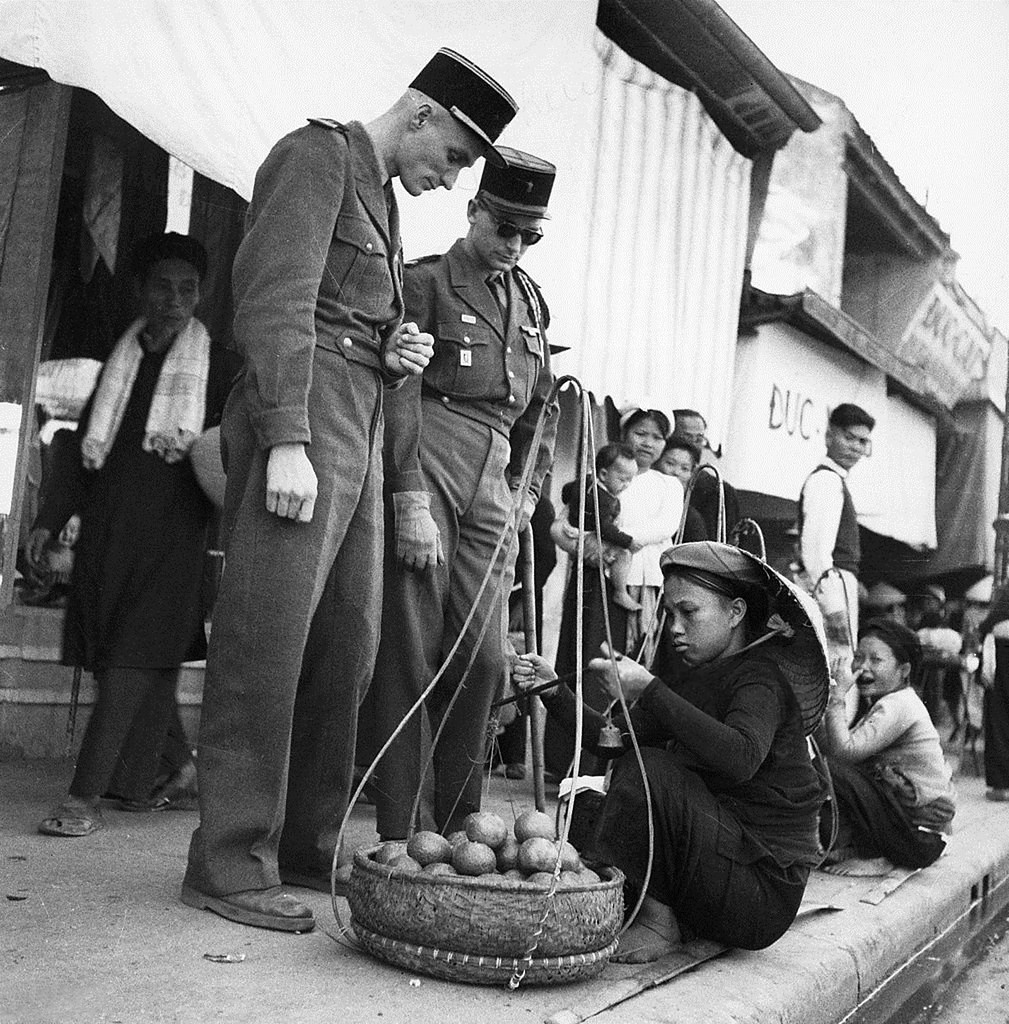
(470,95)
(522,186)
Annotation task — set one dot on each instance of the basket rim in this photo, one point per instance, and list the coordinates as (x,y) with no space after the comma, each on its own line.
(362,859)
(503,964)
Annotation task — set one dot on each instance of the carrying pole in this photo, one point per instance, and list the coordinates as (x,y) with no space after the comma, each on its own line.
(527,561)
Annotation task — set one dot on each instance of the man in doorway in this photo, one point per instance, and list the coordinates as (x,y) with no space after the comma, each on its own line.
(457,444)
(828,528)
(318,311)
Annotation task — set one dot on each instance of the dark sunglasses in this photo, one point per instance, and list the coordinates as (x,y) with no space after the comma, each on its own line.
(507,230)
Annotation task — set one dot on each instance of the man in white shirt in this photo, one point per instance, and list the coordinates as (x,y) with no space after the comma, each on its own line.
(828,527)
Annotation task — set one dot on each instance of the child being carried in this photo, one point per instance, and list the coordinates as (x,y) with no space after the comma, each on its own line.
(616,467)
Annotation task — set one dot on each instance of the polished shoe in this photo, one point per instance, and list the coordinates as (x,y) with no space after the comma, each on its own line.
(998,795)
(261,908)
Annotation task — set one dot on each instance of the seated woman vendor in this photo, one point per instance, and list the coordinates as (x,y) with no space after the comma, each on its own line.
(892,793)
(734,795)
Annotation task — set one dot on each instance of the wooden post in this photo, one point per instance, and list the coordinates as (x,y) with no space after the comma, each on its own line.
(33,130)
(536,709)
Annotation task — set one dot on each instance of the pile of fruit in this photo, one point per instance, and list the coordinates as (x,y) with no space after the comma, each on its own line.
(489,850)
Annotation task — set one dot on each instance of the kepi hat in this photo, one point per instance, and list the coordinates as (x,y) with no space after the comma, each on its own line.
(794,620)
(470,95)
(521,187)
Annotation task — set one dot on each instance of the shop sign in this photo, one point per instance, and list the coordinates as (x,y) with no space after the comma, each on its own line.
(943,340)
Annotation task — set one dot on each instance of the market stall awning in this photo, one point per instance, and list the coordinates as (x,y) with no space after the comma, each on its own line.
(697,46)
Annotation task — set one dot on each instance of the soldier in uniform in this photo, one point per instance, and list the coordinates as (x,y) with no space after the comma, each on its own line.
(457,441)
(318,308)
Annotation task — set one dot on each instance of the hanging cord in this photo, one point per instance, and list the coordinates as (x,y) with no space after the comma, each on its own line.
(623,704)
(745,529)
(506,531)
(586,447)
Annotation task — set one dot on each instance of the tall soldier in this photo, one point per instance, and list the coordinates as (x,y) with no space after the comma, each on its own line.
(318,308)
(456,445)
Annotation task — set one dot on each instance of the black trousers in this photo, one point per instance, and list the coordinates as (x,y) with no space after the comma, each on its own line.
(695,870)
(996,722)
(878,824)
(134,715)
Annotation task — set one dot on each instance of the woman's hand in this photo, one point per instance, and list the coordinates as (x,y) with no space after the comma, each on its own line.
(529,670)
(621,674)
(841,677)
(36,547)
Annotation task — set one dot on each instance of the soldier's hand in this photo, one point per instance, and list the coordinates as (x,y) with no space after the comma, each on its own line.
(291,483)
(418,541)
(410,351)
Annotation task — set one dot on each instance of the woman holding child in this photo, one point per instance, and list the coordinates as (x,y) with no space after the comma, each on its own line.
(650,508)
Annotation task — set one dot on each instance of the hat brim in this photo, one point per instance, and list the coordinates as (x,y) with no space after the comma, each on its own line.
(490,154)
(514,209)
(802,656)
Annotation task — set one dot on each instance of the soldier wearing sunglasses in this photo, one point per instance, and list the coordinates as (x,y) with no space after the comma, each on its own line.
(456,444)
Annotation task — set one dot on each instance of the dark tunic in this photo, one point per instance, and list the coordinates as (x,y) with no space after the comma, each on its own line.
(138,565)
(734,796)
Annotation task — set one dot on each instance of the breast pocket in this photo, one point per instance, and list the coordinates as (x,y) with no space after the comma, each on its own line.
(359,265)
(464,363)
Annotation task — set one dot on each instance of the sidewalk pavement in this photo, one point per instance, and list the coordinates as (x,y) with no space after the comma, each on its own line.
(92,930)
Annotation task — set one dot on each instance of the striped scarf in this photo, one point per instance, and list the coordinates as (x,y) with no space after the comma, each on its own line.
(178,408)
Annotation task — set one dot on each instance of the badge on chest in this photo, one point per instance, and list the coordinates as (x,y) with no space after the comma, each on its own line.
(465,357)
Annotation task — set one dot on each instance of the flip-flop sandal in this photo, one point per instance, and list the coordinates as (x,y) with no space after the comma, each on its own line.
(70,822)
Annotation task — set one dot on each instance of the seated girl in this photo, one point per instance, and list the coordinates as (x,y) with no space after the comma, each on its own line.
(734,795)
(893,798)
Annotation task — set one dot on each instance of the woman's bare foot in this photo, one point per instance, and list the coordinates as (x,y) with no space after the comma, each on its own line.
(655,933)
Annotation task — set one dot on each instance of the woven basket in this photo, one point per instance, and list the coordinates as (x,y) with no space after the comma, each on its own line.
(483,970)
(481,920)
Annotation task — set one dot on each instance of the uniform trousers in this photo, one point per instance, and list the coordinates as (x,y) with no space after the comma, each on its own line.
(701,868)
(464,465)
(293,643)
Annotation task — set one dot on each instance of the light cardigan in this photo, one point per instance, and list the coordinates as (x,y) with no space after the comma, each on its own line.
(896,732)
(650,511)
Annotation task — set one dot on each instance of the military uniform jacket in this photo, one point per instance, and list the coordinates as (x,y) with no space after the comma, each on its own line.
(320,265)
(490,371)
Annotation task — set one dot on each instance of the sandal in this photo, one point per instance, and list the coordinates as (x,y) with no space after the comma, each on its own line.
(72,820)
(179,793)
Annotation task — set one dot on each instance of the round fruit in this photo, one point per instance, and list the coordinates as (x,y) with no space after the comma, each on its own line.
(429,848)
(485,827)
(404,862)
(530,824)
(588,876)
(389,850)
(537,854)
(539,878)
(508,854)
(570,861)
(514,875)
(455,838)
(473,858)
(440,868)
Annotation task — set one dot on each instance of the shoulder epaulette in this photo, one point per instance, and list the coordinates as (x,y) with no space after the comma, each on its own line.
(328,122)
(423,259)
(532,290)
